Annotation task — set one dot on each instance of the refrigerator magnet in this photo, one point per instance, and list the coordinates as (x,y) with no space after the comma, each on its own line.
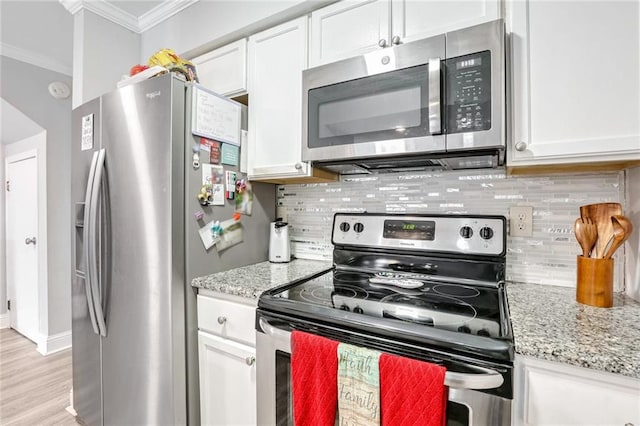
(230,154)
(231,185)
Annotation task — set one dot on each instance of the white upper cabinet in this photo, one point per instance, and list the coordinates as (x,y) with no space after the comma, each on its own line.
(413,20)
(350,28)
(224,70)
(576,82)
(276,59)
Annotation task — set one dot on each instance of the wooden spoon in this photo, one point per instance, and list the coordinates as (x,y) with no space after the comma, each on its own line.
(622,228)
(586,234)
(601,214)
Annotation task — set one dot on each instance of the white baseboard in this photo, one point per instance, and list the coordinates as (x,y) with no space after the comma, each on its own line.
(54,343)
(4,320)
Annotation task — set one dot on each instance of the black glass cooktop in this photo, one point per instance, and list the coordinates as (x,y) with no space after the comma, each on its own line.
(403,298)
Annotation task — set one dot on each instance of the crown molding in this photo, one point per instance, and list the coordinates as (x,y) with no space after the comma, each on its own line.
(162,12)
(114,14)
(34,58)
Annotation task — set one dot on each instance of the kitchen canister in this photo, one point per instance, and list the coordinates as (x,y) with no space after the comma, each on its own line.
(595,282)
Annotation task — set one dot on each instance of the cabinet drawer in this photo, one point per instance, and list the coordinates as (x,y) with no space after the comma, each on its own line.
(227,319)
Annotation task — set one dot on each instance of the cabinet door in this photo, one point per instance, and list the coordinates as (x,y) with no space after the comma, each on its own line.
(413,20)
(227,381)
(276,60)
(224,70)
(551,394)
(349,28)
(576,76)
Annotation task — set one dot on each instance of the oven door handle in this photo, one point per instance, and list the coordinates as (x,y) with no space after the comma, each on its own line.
(283,337)
(489,379)
(486,379)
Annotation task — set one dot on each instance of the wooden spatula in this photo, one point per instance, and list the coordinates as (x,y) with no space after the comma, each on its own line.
(601,214)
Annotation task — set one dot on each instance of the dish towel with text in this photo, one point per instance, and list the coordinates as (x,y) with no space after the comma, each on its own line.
(358,386)
(412,392)
(314,368)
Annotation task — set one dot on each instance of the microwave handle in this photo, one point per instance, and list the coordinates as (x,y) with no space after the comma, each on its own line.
(435,115)
(484,379)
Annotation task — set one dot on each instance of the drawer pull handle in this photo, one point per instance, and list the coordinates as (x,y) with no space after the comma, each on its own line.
(222,320)
(250,360)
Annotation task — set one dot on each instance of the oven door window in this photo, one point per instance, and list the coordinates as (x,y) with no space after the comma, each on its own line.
(388,106)
(457,414)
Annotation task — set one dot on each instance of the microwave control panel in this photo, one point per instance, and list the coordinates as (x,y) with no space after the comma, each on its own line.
(468,80)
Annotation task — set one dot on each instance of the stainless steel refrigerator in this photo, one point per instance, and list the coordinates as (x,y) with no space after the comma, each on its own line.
(136,248)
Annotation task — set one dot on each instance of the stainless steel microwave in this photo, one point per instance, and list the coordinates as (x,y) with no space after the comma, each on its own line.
(432,103)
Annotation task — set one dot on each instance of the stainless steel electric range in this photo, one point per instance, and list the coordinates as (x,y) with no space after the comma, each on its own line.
(428,287)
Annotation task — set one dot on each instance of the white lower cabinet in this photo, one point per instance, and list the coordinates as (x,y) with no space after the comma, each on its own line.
(553,394)
(227,381)
(227,359)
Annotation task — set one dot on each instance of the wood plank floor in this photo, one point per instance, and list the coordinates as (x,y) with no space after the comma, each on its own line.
(34,389)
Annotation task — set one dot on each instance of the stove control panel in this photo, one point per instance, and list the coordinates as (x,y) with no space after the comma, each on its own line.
(464,234)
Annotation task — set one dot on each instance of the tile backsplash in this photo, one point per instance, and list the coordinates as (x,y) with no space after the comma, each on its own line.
(548,257)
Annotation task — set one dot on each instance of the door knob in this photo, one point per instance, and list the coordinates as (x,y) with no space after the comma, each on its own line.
(30,241)
(382,43)
(395,40)
(222,320)
(250,360)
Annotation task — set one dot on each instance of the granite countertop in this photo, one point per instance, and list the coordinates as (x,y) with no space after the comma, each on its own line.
(547,321)
(250,281)
(549,324)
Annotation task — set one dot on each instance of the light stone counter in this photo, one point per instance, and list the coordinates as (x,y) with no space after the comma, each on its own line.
(547,321)
(549,324)
(250,281)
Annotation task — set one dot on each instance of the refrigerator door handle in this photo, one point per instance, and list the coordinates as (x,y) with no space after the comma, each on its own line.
(93,258)
(86,237)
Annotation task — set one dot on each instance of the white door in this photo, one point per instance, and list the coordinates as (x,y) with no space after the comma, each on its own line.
(22,252)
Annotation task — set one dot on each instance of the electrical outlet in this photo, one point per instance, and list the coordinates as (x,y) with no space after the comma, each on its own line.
(521,221)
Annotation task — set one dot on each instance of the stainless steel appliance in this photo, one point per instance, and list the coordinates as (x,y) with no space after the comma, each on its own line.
(136,249)
(429,287)
(432,103)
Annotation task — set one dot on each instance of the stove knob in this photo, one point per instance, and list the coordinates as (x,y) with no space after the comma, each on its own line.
(464,329)
(344,226)
(486,233)
(344,307)
(358,227)
(466,232)
(484,332)
(358,310)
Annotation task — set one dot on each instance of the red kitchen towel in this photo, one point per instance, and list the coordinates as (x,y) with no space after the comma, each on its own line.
(412,392)
(314,377)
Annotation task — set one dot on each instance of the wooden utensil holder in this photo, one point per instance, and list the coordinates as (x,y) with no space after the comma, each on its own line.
(595,282)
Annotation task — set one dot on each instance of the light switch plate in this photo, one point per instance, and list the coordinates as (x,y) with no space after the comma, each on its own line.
(521,221)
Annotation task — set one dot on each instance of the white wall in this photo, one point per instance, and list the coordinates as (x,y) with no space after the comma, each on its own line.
(25,87)
(102,53)
(632,246)
(210,24)
(47,38)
